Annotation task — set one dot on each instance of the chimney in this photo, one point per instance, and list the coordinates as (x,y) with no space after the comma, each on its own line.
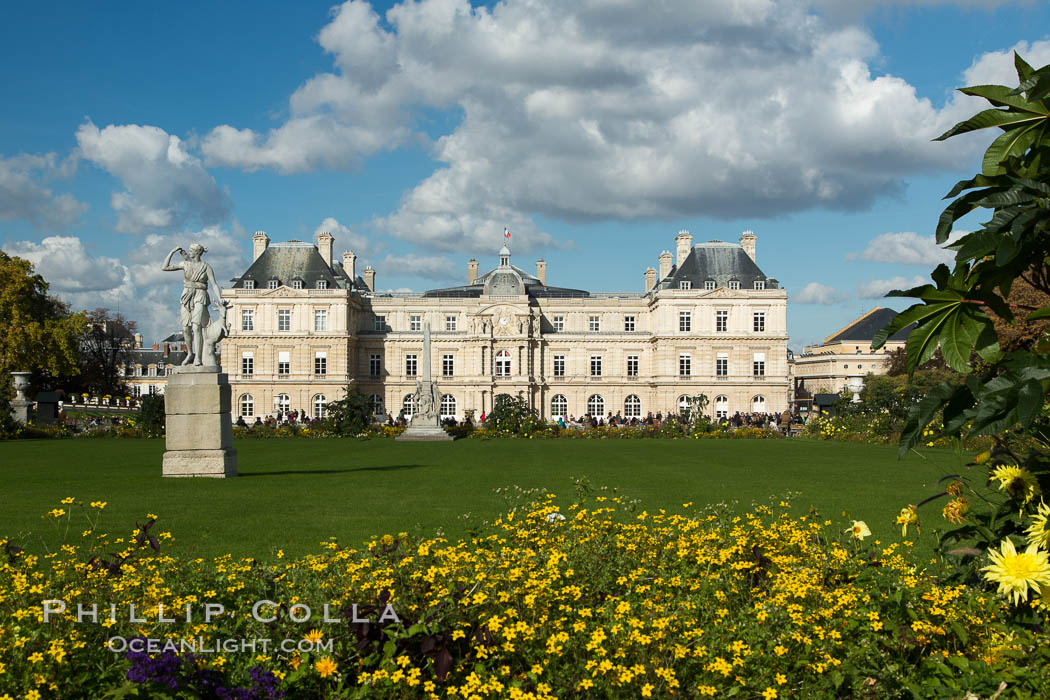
(650,278)
(324,247)
(684,243)
(165,350)
(370,278)
(138,340)
(472,270)
(350,265)
(156,347)
(665,264)
(748,241)
(259,243)
(541,271)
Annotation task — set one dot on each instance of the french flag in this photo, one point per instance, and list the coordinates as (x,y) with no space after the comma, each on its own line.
(506,233)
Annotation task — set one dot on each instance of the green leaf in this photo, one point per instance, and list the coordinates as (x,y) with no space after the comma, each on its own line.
(1038,314)
(1011,143)
(913,313)
(988,119)
(1000,96)
(1011,197)
(958,209)
(923,341)
(1029,401)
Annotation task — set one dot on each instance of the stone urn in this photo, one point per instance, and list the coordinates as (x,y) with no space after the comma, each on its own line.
(856,385)
(21,384)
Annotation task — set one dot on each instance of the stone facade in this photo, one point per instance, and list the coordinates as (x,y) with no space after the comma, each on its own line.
(305,326)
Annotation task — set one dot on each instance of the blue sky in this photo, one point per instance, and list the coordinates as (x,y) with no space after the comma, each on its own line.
(414,132)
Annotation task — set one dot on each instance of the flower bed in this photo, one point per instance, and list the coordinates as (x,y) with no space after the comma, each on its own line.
(591,599)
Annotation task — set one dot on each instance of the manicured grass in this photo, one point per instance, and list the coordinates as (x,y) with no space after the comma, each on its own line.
(292,494)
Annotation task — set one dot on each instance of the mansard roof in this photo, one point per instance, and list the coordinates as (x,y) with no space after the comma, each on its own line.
(865,327)
(720,262)
(508,279)
(296,260)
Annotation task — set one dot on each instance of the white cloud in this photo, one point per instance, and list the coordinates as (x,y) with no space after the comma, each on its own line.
(165,187)
(24,196)
(346,239)
(69,268)
(907,248)
(597,110)
(817,293)
(878,288)
(425,266)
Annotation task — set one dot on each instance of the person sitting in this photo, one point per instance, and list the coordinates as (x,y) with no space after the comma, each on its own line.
(240,422)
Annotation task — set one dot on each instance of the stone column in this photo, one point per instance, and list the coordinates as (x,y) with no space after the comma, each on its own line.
(199,429)
(20,405)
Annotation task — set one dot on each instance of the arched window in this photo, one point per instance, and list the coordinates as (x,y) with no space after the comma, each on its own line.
(448,406)
(319,405)
(503,363)
(282,402)
(596,406)
(247,405)
(408,405)
(721,406)
(632,407)
(683,404)
(559,407)
(758,404)
(377,404)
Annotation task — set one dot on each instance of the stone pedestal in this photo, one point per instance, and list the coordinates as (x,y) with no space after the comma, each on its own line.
(21,407)
(199,429)
(421,429)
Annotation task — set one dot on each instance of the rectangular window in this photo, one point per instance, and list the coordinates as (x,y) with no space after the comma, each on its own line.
(721,321)
(759,364)
(374,365)
(685,321)
(153,371)
(709,284)
(632,365)
(450,323)
(284,319)
(759,321)
(249,284)
(594,324)
(320,363)
(559,323)
(247,319)
(411,365)
(596,365)
(284,363)
(448,365)
(685,284)
(734,284)
(628,324)
(760,284)
(322,284)
(415,323)
(380,323)
(722,365)
(247,364)
(272,284)
(559,365)
(320,319)
(685,365)
(297,284)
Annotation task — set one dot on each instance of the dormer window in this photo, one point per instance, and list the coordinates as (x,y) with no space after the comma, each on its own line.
(322,284)
(249,284)
(685,284)
(272,284)
(297,284)
(760,284)
(734,284)
(709,284)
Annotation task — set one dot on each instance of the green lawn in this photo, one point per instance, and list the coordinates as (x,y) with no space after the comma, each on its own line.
(294,493)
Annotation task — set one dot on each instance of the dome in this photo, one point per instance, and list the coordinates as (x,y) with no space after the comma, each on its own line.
(504,251)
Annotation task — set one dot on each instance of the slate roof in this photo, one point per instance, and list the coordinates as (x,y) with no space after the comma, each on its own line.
(718,261)
(865,327)
(296,260)
(149,356)
(533,287)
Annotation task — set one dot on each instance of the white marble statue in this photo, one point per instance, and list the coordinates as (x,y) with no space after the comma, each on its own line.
(198,277)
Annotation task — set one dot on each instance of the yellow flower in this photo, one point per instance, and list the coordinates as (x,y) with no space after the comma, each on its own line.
(98,504)
(326,667)
(67,500)
(314,636)
(769,693)
(33,695)
(954,489)
(955,509)
(982,458)
(907,517)
(1038,532)
(1018,482)
(859,530)
(1016,573)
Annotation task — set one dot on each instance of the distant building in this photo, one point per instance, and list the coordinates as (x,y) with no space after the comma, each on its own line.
(305,325)
(148,369)
(827,368)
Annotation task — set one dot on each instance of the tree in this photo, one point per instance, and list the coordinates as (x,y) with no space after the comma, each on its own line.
(512,414)
(349,415)
(39,335)
(105,349)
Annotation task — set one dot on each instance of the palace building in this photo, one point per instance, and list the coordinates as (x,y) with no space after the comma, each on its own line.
(305,326)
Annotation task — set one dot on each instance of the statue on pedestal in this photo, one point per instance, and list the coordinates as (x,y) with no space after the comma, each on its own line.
(197,277)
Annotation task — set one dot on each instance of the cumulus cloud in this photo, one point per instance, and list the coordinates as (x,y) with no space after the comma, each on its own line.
(69,267)
(165,187)
(346,239)
(878,288)
(597,110)
(24,196)
(425,266)
(817,293)
(907,248)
